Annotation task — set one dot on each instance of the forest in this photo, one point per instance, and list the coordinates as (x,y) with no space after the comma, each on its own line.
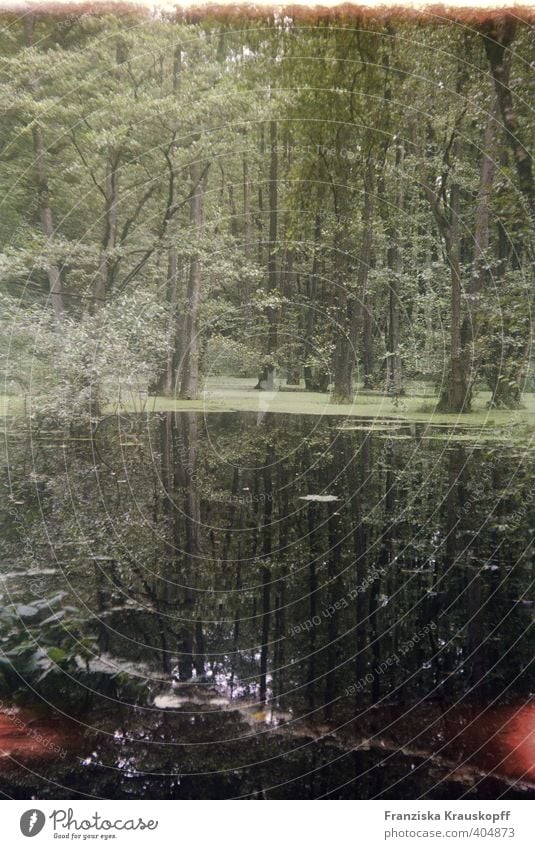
(268,403)
(330,203)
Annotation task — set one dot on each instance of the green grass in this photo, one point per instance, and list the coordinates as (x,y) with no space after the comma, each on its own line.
(238,395)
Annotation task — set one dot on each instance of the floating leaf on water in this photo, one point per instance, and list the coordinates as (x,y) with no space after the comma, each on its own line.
(26,611)
(321,498)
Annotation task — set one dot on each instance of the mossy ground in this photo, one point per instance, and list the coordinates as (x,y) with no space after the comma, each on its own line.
(418,406)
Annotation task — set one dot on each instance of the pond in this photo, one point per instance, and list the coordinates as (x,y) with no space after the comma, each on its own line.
(260,605)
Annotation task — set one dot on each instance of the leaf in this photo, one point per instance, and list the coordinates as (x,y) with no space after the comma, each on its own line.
(57,655)
(26,611)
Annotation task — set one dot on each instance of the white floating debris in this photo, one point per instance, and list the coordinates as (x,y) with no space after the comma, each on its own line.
(319,498)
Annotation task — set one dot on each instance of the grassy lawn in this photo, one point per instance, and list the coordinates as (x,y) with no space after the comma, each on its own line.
(237,394)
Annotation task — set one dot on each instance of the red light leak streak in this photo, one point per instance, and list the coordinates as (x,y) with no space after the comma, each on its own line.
(499,741)
(517,743)
(26,736)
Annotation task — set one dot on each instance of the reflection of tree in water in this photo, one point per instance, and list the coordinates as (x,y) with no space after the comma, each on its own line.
(208,552)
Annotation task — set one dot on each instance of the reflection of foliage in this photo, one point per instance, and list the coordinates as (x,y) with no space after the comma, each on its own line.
(429,520)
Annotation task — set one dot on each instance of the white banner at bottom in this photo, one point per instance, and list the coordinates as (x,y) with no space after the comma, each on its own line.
(265,825)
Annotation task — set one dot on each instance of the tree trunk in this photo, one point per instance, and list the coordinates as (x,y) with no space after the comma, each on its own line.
(187,457)
(395,264)
(43,195)
(335,541)
(266,571)
(310,321)
(104,276)
(470,329)
(456,394)
(365,260)
(247,218)
(394,380)
(346,345)
(497,40)
(167,380)
(268,375)
(189,387)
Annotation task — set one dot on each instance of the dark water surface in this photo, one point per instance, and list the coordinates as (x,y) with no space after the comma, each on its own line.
(266,606)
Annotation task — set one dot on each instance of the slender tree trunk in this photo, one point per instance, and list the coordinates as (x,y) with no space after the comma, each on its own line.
(247,217)
(365,260)
(43,194)
(191,359)
(334,590)
(478,279)
(167,380)
(497,40)
(272,277)
(104,276)
(267,546)
(346,346)
(310,321)
(348,313)
(293,373)
(187,458)
(481,229)
(456,395)
(395,264)
(313,555)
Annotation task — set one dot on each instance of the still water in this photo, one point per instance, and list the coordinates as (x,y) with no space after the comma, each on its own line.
(266,606)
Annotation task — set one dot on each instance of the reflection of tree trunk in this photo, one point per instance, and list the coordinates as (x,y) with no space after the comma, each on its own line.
(456,459)
(375,592)
(192,515)
(313,553)
(103,603)
(388,543)
(333,564)
(375,640)
(43,194)
(266,571)
(284,525)
(357,475)
(168,597)
(476,630)
(240,525)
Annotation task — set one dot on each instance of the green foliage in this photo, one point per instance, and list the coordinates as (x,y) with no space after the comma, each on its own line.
(124,117)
